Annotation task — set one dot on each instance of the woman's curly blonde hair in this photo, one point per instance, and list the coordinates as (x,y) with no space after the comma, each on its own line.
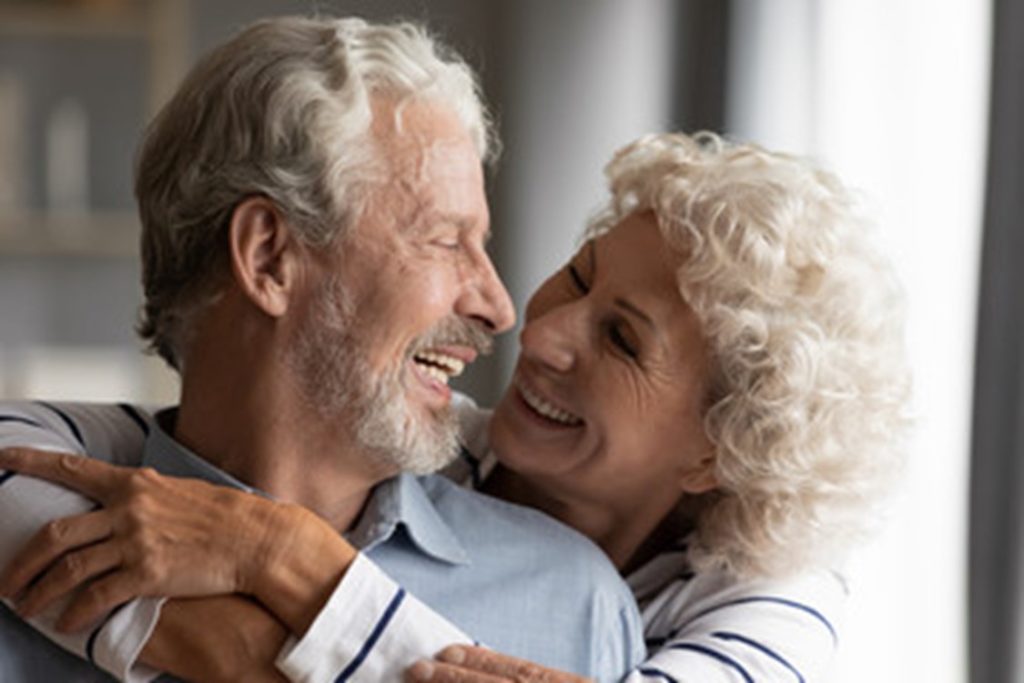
(804,319)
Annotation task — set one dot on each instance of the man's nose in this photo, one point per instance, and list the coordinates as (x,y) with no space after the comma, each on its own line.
(488,301)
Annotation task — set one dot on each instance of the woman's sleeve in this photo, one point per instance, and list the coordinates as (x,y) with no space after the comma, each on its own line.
(722,631)
(109,432)
(370,630)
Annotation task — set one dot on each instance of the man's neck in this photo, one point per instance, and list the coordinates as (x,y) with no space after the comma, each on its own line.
(251,429)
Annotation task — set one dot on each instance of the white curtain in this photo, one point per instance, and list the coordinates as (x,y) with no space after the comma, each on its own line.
(892,95)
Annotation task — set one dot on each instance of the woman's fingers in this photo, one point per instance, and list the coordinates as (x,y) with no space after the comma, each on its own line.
(85,475)
(98,598)
(67,574)
(485,661)
(439,672)
(51,542)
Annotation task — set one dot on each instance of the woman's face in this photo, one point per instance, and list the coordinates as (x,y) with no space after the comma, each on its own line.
(605,404)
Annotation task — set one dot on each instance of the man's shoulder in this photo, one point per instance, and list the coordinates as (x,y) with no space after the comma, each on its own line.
(483,521)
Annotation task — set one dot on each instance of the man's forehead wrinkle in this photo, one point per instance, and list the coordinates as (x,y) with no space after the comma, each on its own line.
(421,177)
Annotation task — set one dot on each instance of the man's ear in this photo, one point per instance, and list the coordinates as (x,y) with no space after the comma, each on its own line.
(265,260)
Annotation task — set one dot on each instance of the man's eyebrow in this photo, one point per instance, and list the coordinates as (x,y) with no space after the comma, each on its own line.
(458,220)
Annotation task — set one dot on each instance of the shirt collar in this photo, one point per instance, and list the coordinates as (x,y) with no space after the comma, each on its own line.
(168,457)
(399,501)
(402,501)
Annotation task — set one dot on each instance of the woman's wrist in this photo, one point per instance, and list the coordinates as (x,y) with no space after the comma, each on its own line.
(303,560)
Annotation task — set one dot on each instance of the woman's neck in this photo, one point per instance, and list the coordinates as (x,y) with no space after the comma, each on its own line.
(629,537)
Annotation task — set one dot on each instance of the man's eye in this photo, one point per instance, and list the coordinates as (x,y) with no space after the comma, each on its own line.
(451,244)
(577,279)
(620,341)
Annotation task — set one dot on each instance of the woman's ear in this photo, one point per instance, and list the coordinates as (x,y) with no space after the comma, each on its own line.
(700,477)
(265,260)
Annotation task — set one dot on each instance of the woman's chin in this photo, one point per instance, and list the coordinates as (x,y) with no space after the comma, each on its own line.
(525,444)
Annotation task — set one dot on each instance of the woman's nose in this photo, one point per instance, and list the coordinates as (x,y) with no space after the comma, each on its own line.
(553,339)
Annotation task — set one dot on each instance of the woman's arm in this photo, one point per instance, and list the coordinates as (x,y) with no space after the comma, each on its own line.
(713,628)
(158,535)
(340,634)
(26,505)
(220,639)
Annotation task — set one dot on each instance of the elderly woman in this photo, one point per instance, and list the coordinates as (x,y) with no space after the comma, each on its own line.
(712,390)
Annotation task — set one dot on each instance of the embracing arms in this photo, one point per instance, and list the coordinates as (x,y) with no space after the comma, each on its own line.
(167,536)
(338,634)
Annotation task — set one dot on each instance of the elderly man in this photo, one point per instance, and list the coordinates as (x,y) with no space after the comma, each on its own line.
(314,226)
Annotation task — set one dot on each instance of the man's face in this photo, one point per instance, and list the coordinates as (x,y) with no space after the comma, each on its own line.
(410,296)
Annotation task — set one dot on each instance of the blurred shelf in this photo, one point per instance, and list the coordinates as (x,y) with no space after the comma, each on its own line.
(162,28)
(100,234)
(80,20)
(161,25)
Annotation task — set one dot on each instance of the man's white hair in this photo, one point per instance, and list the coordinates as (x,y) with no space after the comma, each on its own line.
(282,110)
(804,320)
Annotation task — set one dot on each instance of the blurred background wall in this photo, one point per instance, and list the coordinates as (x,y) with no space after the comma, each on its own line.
(891,94)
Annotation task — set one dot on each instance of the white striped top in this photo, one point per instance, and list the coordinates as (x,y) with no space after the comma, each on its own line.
(709,627)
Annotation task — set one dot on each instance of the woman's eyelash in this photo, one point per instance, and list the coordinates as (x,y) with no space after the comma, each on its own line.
(576,279)
(620,341)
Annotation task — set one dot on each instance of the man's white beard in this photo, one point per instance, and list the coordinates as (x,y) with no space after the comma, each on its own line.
(331,364)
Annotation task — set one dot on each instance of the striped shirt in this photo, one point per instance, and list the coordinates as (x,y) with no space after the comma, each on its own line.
(708,627)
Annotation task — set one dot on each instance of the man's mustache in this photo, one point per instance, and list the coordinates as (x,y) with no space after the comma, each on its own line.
(455,331)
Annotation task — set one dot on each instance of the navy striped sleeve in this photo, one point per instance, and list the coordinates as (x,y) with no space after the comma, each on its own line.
(657,673)
(75,431)
(374,636)
(90,645)
(5,476)
(715,654)
(21,420)
(131,412)
(764,649)
(769,599)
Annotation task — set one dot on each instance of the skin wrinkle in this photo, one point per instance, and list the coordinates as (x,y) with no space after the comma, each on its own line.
(604,477)
(340,385)
(389,264)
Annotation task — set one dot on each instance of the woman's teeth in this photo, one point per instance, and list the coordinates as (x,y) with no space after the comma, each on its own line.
(439,366)
(547,410)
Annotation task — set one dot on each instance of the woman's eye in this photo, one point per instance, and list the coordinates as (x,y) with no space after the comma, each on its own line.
(620,341)
(577,279)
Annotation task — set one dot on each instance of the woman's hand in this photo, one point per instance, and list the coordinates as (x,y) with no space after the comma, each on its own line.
(463,664)
(153,535)
(224,638)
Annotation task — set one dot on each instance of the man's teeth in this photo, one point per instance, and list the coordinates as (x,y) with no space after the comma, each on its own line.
(439,366)
(547,410)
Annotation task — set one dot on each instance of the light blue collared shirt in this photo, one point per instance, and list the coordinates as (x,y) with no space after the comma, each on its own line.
(509,577)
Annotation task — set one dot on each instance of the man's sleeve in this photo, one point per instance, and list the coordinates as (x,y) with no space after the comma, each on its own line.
(617,638)
(27,504)
(370,630)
